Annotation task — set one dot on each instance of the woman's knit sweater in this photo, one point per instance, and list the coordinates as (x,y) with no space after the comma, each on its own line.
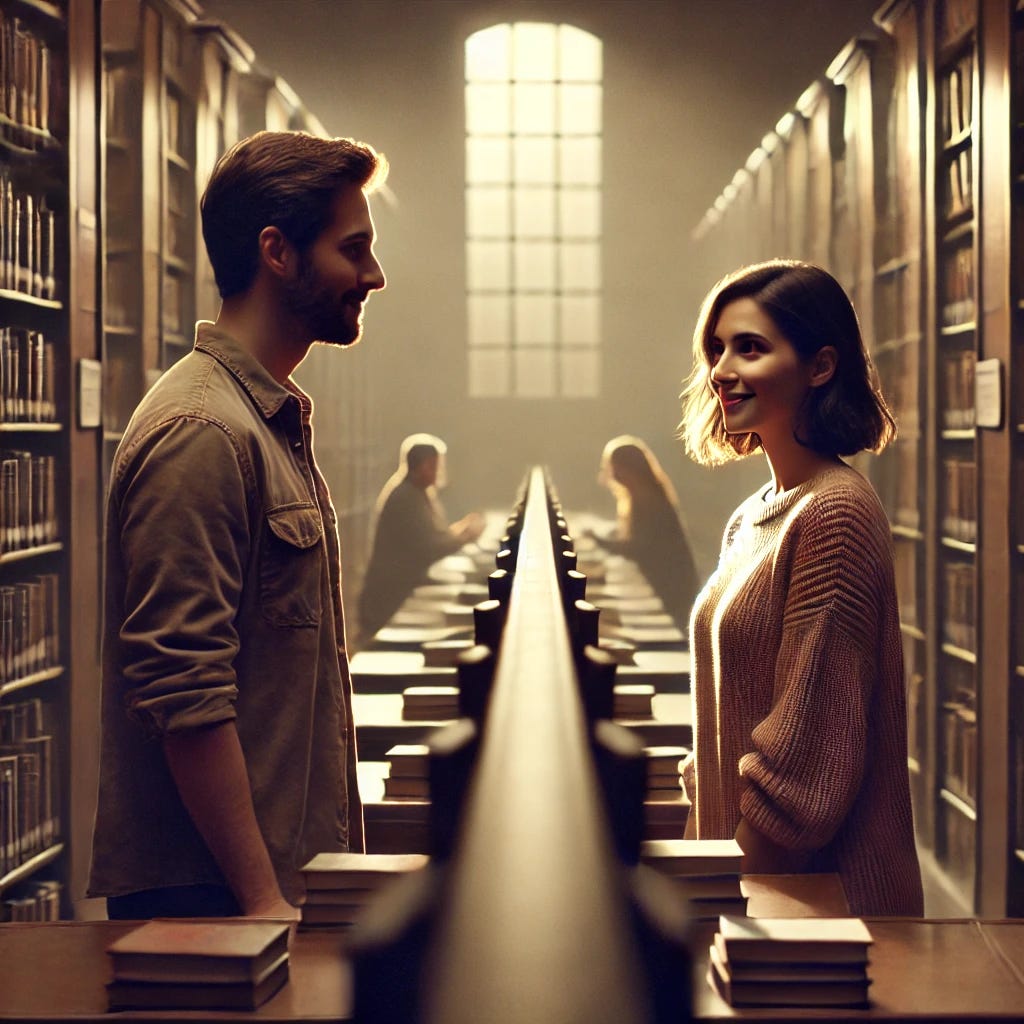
(798,693)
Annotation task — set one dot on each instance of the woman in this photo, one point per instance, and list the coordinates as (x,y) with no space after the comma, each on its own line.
(800,747)
(649,529)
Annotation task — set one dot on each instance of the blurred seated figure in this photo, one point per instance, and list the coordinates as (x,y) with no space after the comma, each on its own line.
(410,532)
(649,528)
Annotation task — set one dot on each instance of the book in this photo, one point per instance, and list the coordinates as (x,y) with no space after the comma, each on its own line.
(633,700)
(443,653)
(405,787)
(804,940)
(430,702)
(358,870)
(693,856)
(783,990)
(205,952)
(408,759)
(198,995)
(792,972)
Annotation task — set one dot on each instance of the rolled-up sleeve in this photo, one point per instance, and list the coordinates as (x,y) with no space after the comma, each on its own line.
(808,758)
(184,540)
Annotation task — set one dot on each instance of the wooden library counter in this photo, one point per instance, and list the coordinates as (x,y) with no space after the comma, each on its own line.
(379,723)
(921,970)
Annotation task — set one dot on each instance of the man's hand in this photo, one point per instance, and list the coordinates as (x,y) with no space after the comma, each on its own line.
(209,770)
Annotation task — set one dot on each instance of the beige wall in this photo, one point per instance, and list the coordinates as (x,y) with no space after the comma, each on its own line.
(690,88)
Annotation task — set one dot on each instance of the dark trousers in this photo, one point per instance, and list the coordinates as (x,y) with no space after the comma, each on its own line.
(174,901)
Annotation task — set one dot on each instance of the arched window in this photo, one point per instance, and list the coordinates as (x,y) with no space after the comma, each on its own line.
(533,211)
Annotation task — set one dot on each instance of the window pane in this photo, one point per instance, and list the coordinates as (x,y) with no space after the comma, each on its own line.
(580,110)
(488,213)
(535,320)
(580,266)
(535,373)
(580,161)
(579,213)
(533,52)
(534,161)
(489,325)
(487,54)
(535,212)
(487,160)
(535,266)
(579,55)
(580,374)
(580,317)
(533,109)
(487,109)
(488,373)
(488,266)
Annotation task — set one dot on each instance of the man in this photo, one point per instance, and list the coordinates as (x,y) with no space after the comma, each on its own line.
(228,748)
(411,532)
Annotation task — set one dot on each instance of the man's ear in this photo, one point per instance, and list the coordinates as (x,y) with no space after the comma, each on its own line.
(823,366)
(276,252)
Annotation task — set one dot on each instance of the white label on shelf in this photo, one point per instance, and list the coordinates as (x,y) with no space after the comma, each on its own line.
(988,394)
(90,409)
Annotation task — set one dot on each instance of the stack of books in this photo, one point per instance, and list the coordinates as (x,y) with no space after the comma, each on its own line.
(340,885)
(807,961)
(444,653)
(663,781)
(198,965)
(705,871)
(633,700)
(407,776)
(430,703)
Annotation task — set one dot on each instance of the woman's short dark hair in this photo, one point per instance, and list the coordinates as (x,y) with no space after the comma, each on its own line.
(287,180)
(844,416)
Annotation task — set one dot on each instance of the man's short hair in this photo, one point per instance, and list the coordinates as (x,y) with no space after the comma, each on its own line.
(417,448)
(287,180)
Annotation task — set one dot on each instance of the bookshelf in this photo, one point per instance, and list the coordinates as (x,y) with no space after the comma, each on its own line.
(920,122)
(35,301)
(951,319)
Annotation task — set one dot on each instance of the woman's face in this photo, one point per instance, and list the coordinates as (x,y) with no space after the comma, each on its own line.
(760,380)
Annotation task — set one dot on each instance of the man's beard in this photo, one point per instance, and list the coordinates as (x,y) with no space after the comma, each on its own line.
(329,317)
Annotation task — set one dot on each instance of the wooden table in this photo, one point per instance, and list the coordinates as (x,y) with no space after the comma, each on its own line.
(949,971)
(391,671)
(379,723)
(402,825)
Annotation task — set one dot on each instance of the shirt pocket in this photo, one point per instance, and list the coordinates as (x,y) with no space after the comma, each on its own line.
(291,566)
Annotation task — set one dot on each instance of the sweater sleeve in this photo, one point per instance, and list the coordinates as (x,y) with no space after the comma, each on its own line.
(807,759)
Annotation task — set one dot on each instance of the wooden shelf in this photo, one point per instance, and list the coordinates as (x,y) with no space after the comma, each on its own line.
(31,866)
(960,653)
(25,553)
(35,679)
(29,427)
(914,632)
(7,295)
(952,330)
(959,804)
(966,546)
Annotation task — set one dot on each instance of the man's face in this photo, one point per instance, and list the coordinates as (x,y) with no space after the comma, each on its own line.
(337,273)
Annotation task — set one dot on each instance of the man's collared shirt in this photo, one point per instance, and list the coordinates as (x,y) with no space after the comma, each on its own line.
(223,601)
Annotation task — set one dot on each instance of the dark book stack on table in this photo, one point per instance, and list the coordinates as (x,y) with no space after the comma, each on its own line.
(791,961)
(407,773)
(340,885)
(198,965)
(705,871)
